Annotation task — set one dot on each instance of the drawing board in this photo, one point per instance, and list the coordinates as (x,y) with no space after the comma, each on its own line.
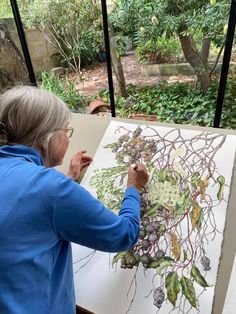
(187,201)
(230,301)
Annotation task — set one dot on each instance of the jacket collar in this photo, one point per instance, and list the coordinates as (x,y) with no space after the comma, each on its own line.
(30,154)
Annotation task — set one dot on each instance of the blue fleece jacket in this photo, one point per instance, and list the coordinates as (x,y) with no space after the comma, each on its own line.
(41,212)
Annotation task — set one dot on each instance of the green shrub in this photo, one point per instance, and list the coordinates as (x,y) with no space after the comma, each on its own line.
(122,43)
(161,50)
(66,90)
(74,27)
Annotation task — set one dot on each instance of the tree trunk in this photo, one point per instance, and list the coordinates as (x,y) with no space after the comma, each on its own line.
(217,60)
(193,57)
(117,65)
(206,44)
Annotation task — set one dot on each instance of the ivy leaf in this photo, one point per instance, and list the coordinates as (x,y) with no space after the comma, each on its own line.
(195,273)
(188,291)
(221,184)
(172,285)
(176,248)
(195,215)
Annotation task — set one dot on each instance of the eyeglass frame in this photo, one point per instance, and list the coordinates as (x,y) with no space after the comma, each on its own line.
(69,129)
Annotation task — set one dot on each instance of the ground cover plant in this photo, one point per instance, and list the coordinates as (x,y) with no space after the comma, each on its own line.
(180,103)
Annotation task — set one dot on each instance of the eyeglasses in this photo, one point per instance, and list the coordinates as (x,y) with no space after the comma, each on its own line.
(68,130)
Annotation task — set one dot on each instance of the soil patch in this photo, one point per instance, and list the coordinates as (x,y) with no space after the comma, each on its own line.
(95,79)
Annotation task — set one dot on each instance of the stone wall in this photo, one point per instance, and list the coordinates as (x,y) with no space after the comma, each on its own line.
(42,53)
(178,69)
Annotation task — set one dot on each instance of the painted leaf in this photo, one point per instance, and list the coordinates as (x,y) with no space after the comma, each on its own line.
(206,181)
(154,264)
(167,258)
(188,291)
(200,220)
(110,145)
(221,185)
(172,285)
(195,273)
(162,175)
(171,180)
(162,229)
(163,265)
(195,215)
(170,208)
(183,202)
(203,184)
(117,257)
(152,210)
(122,179)
(151,175)
(180,209)
(161,260)
(195,179)
(176,248)
(185,256)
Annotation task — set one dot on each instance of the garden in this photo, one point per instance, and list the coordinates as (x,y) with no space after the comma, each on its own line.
(169,33)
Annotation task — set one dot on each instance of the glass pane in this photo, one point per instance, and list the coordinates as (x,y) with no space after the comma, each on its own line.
(171,53)
(12,63)
(228,118)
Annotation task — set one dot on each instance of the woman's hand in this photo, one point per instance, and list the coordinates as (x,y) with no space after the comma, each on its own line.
(78,162)
(137,176)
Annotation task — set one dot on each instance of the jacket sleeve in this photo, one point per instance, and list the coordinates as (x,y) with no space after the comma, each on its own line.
(79,217)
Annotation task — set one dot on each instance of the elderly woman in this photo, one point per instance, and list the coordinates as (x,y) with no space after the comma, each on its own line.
(42,210)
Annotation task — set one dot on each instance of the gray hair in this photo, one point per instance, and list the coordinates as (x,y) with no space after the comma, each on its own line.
(29,116)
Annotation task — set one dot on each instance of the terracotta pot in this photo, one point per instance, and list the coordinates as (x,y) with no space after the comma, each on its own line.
(98,105)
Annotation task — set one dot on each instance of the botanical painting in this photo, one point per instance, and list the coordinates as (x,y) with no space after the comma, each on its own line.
(173,266)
